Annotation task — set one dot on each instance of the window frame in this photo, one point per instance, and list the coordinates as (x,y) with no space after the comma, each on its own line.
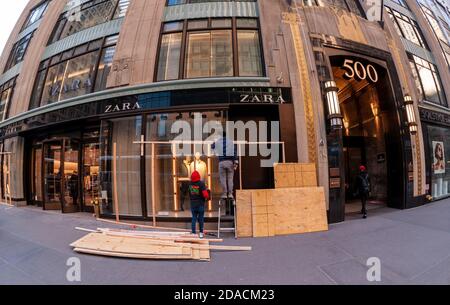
(203,1)
(63,18)
(27,23)
(12,59)
(417,31)
(9,85)
(49,63)
(434,70)
(184,39)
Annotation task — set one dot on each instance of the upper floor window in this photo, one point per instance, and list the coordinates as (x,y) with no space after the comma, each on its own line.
(428,81)
(178,2)
(87,15)
(443,40)
(6,91)
(402,3)
(75,72)
(217,47)
(434,23)
(36,14)
(407,28)
(18,51)
(348,5)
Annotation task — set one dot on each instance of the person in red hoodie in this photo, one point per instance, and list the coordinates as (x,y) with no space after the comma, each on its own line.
(198,194)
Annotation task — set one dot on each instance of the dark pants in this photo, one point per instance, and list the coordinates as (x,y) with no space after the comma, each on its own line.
(364,196)
(198,214)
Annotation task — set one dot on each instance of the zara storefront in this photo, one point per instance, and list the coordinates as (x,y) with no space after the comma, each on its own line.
(122,150)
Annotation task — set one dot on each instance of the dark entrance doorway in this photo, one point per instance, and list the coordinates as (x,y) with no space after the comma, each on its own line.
(61,187)
(370,131)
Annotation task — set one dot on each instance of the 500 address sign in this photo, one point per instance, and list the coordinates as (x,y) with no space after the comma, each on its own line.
(355,69)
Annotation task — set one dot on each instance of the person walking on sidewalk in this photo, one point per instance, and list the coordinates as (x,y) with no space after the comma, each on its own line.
(198,194)
(362,187)
(226,150)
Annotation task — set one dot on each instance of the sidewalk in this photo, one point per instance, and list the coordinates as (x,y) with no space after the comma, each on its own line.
(413,246)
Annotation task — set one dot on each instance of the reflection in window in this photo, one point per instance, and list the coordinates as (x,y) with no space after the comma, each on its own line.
(407,28)
(6,91)
(249,53)
(122,132)
(36,14)
(18,52)
(209,50)
(70,74)
(169,58)
(434,23)
(88,15)
(209,54)
(428,81)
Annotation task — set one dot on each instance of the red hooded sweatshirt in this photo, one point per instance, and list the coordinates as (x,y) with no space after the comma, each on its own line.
(197,190)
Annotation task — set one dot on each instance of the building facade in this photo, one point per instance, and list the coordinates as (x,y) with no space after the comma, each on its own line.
(91,90)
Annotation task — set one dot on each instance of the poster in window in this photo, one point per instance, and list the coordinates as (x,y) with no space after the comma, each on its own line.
(438,158)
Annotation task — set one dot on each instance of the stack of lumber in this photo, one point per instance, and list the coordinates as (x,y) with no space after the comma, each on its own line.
(157,245)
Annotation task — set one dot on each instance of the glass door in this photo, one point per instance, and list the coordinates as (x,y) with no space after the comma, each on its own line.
(71,178)
(52,175)
(90,181)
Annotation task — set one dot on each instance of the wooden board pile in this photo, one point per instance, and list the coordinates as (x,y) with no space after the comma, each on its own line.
(157,245)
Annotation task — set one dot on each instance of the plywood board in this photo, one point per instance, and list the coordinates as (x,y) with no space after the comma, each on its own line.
(244,225)
(299,210)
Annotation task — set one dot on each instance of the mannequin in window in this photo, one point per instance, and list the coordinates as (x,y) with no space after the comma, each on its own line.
(199,165)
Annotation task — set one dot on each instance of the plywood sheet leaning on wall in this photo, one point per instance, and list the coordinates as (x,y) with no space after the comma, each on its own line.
(295,175)
(299,210)
(244,222)
(282,211)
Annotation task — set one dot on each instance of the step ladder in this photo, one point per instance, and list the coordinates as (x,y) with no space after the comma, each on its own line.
(220,229)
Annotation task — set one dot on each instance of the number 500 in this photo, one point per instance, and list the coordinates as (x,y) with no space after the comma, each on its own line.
(356,69)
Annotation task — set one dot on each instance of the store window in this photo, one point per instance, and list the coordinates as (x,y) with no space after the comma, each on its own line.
(36,14)
(75,72)
(210,49)
(6,91)
(407,28)
(87,15)
(127,160)
(173,165)
(428,81)
(439,151)
(18,51)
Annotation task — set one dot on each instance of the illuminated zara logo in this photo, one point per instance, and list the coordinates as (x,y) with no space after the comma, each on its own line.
(122,107)
(262,98)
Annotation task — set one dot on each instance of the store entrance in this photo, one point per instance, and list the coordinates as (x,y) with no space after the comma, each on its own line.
(364,135)
(61,175)
(64,171)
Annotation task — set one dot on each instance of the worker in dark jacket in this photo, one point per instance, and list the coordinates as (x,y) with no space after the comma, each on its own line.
(362,188)
(227,152)
(198,194)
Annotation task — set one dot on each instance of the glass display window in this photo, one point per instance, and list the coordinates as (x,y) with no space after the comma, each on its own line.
(439,154)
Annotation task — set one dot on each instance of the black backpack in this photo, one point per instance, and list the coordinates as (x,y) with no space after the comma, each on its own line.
(365,183)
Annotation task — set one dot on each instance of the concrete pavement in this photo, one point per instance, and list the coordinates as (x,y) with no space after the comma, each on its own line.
(413,246)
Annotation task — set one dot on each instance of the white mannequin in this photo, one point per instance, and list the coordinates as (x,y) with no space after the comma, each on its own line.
(198,165)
